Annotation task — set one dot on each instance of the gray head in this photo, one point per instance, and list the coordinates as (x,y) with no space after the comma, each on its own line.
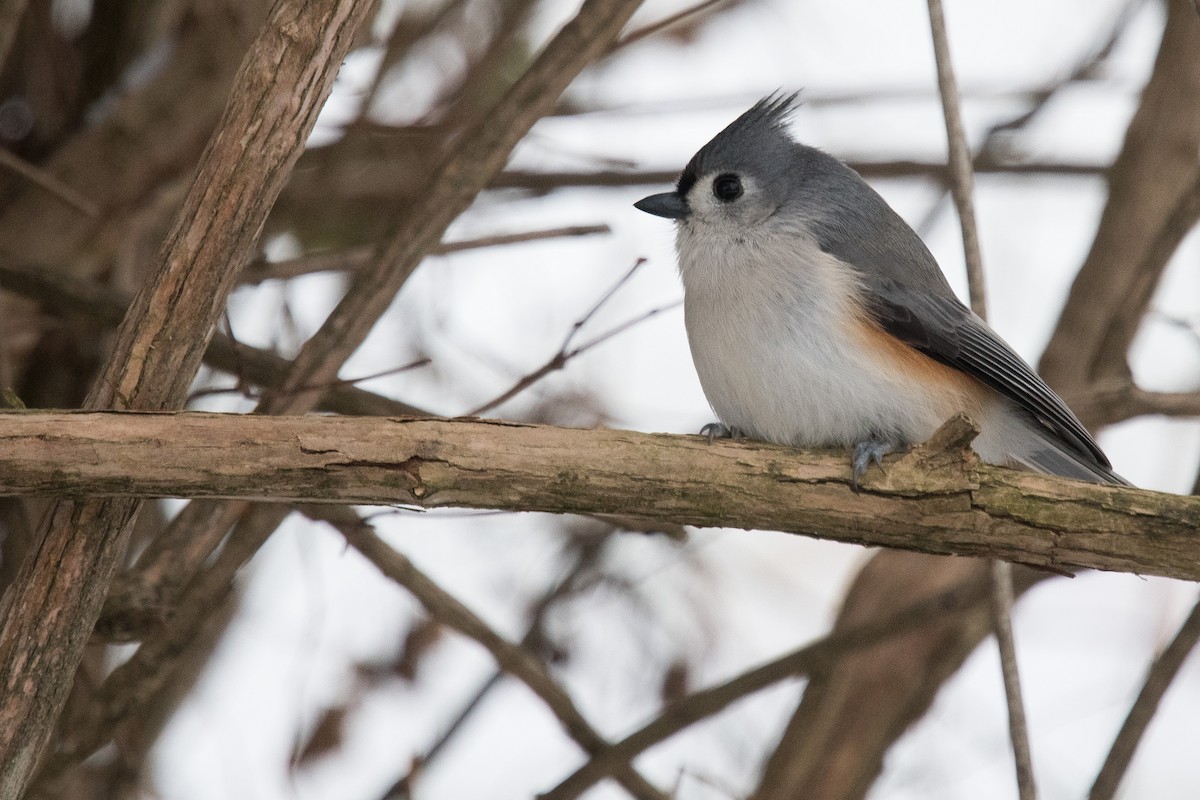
(754,176)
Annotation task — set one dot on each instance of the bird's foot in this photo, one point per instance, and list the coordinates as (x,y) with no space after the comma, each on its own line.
(718,430)
(864,454)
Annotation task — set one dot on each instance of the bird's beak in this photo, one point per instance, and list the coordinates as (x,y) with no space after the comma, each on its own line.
(669,204)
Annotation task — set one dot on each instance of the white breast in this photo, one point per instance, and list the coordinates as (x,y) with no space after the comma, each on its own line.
(773,336)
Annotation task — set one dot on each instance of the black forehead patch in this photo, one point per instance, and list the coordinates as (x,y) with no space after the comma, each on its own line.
(762,128)
(687,179)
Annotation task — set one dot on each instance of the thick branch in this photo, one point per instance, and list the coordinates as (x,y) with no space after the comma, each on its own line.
(50,609)
(930,501)
(1150,179)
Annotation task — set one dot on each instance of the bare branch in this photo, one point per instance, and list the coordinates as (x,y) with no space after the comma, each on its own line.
(45,181)
(950,505)
(50,609)
(475,159)
(656,27)
(1162,672)
(565,353)
(962,185)
(1148,185)
(1001,606)
(514,659)
(347,260)
(821,655)
(61,294)
(963,188)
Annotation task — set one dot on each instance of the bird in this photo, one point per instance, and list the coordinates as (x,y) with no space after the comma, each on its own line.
(816,317)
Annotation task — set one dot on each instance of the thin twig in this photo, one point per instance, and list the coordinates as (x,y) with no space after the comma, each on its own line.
(63,294)
(576,580)
(1158,680)
(1001,606)
(802,662)
(514,659)
(962,187)
(963,179)
(565,354)
(48,183)
(328,386)
(478,155)
(354,258)
(663,24)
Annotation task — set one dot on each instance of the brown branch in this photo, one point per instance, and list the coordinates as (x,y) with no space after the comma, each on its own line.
(61,294)
(478,154)
(135,687)
(1001,606)
(1169,404)
(566,353)
(11,12)
(1148,184)
(1162,672)
(348,260)
(962,183)
(512,658)
(950,504)
(47,182)
(382,175)
(1001,579)
(891,169)
(657,27)
(822,655)
(50,609)
(475,159)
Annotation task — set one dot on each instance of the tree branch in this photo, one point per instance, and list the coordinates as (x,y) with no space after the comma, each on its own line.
(931,500)
(963,188)
(472,162)
(1149,185)
(822,655)
(518,661)
(48,612)
(962,184)
(61,294)
(1162,672)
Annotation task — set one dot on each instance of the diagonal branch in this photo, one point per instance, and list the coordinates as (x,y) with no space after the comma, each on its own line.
(50,609)
(1155,170)
(962,184)
(479,153)
(820,655)
(512,658)
(1162,672)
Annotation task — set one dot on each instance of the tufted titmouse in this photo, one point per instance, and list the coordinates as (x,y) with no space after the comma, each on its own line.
(817,316)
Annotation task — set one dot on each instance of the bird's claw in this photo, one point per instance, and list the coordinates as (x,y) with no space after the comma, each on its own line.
(717,430)
(864,454)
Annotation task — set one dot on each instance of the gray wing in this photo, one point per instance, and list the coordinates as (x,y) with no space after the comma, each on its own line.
(910,299)
(945,330)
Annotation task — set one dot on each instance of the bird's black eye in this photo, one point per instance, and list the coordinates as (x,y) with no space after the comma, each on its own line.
(727,187)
